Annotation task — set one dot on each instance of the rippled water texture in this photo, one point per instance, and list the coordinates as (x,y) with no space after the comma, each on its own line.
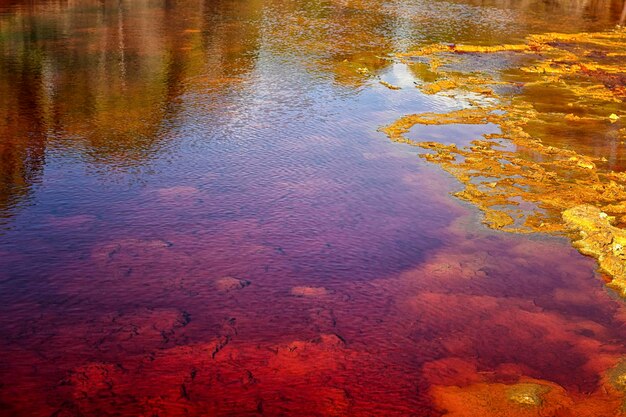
(198,217)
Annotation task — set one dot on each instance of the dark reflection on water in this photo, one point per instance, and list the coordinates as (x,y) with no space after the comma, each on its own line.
(104,80)
(150,149)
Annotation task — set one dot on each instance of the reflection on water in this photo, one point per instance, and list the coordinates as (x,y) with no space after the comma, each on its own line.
(104,80)
(198,216)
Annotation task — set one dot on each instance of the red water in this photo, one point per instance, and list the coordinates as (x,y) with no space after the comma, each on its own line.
(213,226)
(140,326)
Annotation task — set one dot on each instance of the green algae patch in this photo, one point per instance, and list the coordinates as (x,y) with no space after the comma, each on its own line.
(527,394)
(559,105)
(617,376)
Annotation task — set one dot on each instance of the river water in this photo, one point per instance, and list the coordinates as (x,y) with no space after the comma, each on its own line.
(199,216)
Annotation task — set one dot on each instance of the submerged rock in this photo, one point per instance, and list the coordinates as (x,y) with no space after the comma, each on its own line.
(527,398)
(617,376)
(308,291)
(231,283)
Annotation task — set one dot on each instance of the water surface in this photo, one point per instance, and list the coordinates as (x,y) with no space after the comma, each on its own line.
(151,149)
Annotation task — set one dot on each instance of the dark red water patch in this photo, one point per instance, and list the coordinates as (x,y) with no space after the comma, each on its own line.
(164,337)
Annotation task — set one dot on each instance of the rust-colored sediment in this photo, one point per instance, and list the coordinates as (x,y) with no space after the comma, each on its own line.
(533,397)
(521,183)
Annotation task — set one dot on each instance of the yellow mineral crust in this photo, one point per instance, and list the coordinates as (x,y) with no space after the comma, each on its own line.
(453,81)
(436,48)
(534,43)
(438,86)
(597,237)
(562,56)
(389,85)
(521,183)
(508,176)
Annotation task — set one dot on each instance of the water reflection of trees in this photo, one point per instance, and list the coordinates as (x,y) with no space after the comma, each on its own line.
(103,80)
(99,80)
(603,12)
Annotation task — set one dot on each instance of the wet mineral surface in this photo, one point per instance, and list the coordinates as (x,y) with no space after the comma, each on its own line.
(517,177)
